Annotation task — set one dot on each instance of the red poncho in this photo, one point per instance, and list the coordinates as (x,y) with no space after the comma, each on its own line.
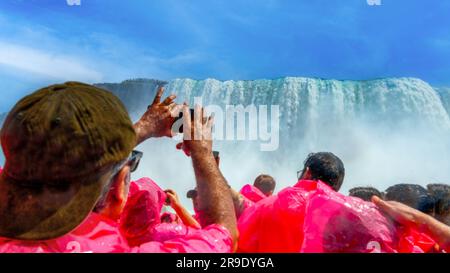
(311,217)
(139,231)
(252,193)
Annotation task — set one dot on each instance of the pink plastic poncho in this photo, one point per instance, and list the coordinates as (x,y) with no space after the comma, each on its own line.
(142,211)
(141,219)
(247,203)
(252,193)
(98,234)
(311,217)
(337,223)
(413,241)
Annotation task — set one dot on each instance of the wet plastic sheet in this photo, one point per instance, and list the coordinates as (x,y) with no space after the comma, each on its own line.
(168,231)
(98,234)
(338,223)
(140,222)
(252,193)
(413,241)
(142,211)
(311,217)
(273,224)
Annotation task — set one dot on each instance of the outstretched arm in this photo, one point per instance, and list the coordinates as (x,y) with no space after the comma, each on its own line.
(238,199)
(408,216)
(215,202)
(181,211)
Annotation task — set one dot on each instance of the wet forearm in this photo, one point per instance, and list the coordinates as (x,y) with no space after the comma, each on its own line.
(215,201)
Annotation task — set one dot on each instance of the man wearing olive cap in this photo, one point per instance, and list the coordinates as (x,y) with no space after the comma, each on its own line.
(69,154)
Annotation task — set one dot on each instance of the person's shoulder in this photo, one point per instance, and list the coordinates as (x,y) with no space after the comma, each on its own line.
(246,186)
(252,193)
(294,192)
(93,222)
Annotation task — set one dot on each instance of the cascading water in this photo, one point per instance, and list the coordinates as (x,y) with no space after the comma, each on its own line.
(386,131)
(307,100)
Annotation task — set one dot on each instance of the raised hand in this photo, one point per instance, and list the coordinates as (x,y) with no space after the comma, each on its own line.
(173,197)
(157,121)
(181,211)
(197,133)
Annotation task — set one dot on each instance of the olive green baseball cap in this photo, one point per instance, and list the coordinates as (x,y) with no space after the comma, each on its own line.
(60,145)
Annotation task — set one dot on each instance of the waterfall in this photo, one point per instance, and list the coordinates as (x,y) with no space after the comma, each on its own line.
(386,131)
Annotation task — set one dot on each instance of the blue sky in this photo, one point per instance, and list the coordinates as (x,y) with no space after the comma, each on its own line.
(48,41)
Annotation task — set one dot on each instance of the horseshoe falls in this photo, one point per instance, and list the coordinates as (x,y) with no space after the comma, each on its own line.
(387,131)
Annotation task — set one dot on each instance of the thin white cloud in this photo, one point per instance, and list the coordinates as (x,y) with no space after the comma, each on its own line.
(39,62)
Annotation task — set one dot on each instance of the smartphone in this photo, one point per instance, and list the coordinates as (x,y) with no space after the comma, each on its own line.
(167,202)
(180,116)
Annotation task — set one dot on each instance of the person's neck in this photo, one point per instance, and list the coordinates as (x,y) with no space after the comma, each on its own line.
(110,213)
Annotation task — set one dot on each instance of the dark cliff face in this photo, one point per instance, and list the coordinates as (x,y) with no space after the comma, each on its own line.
(135,94)
(2,118)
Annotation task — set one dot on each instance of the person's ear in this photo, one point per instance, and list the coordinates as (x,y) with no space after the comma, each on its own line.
(306,174)
(120,193)
(117,195)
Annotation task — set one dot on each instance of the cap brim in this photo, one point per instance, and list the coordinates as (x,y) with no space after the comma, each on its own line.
(33,224)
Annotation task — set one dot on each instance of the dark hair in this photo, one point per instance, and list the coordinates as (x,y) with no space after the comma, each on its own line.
(411,195)
(441,194)
(327,168)
(365,193)
(265,183)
